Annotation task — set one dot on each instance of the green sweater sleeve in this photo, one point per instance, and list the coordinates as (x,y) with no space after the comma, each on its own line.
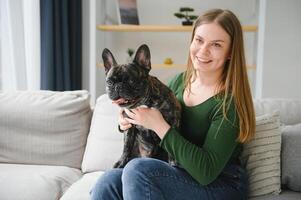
(205,162)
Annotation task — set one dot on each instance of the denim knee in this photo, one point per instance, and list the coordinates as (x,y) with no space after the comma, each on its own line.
(134,168)
(136,180)
(109,184)
(142,168)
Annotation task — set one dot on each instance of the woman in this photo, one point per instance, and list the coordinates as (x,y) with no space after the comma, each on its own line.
(217,117)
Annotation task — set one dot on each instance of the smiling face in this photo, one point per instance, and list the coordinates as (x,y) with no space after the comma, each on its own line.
(210,48)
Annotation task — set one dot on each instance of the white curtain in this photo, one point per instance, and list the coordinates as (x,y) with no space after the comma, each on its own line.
(20,44)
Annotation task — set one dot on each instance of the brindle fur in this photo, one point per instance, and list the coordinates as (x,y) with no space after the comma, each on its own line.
(146,91)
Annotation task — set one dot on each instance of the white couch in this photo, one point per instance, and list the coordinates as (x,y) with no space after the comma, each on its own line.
(53,146)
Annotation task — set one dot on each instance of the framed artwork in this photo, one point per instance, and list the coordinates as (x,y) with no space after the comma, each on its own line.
(127,11)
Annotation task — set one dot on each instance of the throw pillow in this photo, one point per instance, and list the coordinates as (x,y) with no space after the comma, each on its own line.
(105,142)
(291,157)
(44,127)
(261,156)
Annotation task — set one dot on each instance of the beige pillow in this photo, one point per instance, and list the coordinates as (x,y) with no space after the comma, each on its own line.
(261,156)
(105,142)
(44,127)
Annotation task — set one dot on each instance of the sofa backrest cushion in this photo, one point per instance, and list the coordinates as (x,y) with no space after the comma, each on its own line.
(44,127)
(105,142)
(291,157)
(290,109)
(290,118)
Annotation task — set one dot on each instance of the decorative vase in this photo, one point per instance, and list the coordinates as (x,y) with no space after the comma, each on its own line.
(187,23)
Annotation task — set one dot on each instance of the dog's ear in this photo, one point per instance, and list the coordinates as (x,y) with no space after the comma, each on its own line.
(143,57)
(108,59)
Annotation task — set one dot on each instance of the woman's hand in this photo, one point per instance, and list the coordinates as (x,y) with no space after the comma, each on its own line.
(123,123)
(149,118)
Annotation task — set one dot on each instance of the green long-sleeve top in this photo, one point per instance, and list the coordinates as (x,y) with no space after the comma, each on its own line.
(205,141)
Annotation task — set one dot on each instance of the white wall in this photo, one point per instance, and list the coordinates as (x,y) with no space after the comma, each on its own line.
(93,79)
(85,44)
(168,44)
(279,67)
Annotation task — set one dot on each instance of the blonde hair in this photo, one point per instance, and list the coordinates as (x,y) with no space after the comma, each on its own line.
(234,79)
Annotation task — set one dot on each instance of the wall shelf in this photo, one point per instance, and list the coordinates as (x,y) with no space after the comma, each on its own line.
(158,28)
(100,65)
(162,28)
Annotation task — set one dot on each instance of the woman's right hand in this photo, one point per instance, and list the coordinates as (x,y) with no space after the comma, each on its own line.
(123,123)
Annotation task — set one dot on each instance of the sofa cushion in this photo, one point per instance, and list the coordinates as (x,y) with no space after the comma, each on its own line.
(44,127)
(261,156)
(105,142)
(80,190)
(284,195)
(28,182)
(291,157)
(290,112)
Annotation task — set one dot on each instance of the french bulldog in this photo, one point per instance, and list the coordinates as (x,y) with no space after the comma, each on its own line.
(130,86)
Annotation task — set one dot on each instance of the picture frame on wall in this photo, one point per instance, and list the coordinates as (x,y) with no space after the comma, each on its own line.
(127,12)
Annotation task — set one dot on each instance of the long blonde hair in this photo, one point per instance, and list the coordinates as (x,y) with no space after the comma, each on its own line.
(234,79)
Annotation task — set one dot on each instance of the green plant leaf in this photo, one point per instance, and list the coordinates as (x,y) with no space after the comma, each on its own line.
(179,15)
(193,17)
(186,9)
(130,52)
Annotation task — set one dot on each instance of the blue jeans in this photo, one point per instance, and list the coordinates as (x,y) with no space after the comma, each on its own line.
(147,178)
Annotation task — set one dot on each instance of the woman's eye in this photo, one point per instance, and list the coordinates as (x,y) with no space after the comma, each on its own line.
(198,40)
(217,45)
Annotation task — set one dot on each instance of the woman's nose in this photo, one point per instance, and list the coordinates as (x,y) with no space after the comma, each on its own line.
(204,49)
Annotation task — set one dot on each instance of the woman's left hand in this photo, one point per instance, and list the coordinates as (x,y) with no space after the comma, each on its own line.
(149,118)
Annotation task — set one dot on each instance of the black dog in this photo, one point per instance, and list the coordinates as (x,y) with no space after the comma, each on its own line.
(131,86)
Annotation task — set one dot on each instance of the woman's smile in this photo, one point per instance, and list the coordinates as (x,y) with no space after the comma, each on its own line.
(203,60)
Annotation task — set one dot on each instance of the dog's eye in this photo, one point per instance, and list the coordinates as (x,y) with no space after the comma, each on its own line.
(109,82)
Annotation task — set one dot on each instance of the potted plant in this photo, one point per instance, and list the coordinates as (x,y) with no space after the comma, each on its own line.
(184,13)
(130,53)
